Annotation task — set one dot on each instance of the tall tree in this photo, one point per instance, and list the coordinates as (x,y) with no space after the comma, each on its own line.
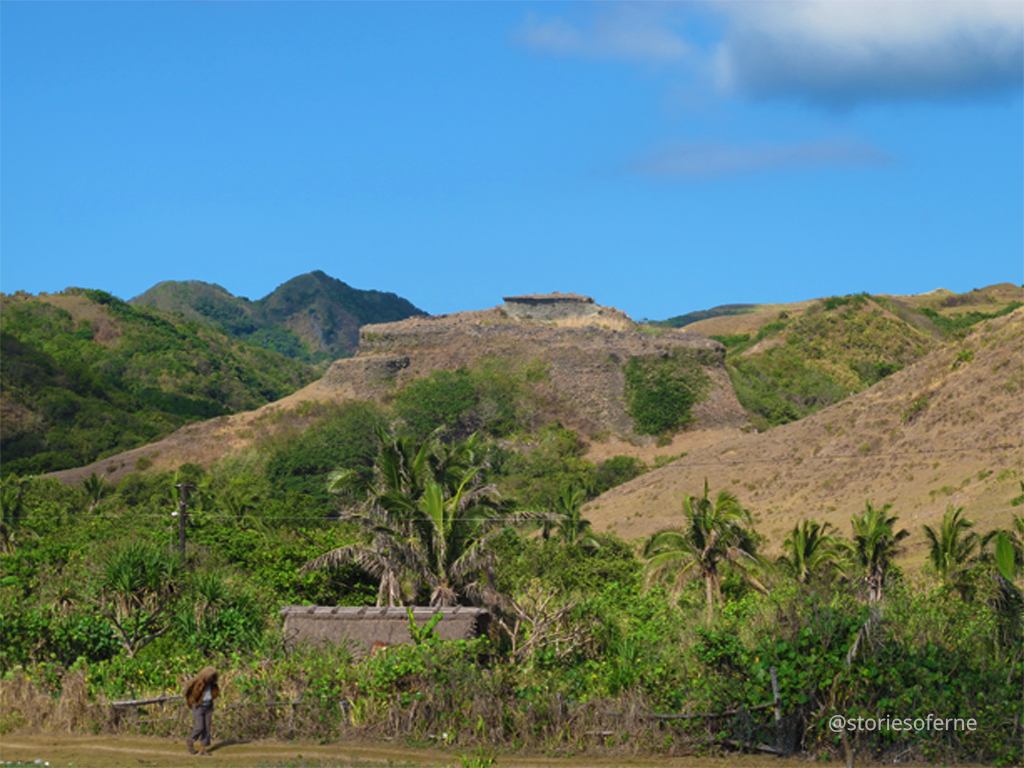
(440,544)
(953,550)
(573,528)
(427,519)
(136,587)
(405,466)
(811,550)
(876,544)
(714,534)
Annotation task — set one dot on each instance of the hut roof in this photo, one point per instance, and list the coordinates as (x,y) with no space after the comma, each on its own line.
(550,298)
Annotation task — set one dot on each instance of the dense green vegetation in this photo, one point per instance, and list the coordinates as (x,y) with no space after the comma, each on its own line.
(590,633)
(961,321)
(661,391)
(456,491)
(313,318)
(494,397)
(87,375)
(840,346)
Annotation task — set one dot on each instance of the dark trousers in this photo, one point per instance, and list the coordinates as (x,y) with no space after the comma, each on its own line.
(202,718)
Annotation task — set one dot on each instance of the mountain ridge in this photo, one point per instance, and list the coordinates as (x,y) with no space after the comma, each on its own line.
(311,317)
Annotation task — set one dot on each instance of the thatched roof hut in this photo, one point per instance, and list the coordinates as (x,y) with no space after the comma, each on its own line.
(360,628)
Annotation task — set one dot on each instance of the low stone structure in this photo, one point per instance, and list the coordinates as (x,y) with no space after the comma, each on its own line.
(360,628)
(550,306)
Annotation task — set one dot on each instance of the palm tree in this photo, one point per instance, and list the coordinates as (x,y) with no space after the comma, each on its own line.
(451,537)
(440,544)
(573,528)
(1002,592)
(1008,548)
(401,473)
(95,488)
(427,518)
(403,468)
(811,549)
(875,545)
(238,499)
(713,535)
(953,549)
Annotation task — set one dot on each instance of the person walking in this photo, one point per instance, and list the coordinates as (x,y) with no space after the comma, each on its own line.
(199,695)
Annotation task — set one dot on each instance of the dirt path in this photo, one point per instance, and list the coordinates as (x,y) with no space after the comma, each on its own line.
(66,751)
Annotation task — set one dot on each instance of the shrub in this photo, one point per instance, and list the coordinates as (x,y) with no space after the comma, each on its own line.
(616,471)
(442,399)
(345,439)
(492,398)
(661,391)
(536,476)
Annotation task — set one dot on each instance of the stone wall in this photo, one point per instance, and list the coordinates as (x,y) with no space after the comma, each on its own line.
(360,628)
(550,307)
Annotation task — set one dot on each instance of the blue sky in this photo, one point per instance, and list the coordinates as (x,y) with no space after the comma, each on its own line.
(660,157)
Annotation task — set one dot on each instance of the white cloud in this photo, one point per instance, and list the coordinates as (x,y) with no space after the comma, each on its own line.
(696,161)
(834,52)
(631,33)
(840,52)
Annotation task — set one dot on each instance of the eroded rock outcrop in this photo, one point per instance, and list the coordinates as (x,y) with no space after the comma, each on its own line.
(583,346)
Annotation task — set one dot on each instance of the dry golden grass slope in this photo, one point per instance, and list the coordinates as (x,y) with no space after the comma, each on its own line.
(945,430)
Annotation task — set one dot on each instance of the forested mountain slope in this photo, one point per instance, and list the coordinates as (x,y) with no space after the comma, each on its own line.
(312,317)
(86,375)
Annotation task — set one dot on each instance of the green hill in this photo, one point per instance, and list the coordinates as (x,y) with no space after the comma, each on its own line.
(86,375)
(801,359)
(312,317)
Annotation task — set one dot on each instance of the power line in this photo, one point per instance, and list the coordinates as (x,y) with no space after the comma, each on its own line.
(171,517)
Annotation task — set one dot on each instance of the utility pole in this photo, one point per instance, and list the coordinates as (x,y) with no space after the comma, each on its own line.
(183,489)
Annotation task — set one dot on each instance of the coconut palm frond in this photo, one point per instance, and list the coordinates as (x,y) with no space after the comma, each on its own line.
(714,535)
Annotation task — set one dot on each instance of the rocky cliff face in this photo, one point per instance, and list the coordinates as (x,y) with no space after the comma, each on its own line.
(584,360)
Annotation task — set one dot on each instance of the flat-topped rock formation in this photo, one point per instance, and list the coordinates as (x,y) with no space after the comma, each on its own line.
(584,346)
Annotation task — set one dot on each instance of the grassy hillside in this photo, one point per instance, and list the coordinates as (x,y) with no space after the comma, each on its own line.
(86,375)
(944,430)
(795,366)
(788,361)
(312,317)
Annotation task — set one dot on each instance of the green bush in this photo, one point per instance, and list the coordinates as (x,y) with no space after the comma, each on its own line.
(535,474)
(779,386)
(344,439)
(37,635)
(958,322)
(441,400)
(616,471)
(492,398)
(661,391)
